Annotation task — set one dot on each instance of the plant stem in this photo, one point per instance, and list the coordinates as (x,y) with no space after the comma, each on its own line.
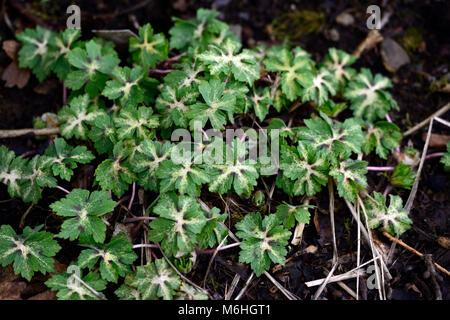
(22,132)
(134,219)
(221,248)
(133,192)
(380,168)
(145,245)
(434,155)
(62,189)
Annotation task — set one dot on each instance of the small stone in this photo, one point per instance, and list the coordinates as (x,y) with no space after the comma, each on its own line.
(393,55)
(334,35)
(345,19)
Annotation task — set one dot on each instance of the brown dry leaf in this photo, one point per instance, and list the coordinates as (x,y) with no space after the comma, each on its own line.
(444,242)
(46,87)
(437,140)
(46,295)
(11,47)
(373,37)
(14,76)
(10,290)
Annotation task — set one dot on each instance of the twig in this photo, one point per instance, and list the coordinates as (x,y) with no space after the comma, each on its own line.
(23,132)
(24,216)
(415,186)
(241,293)
(62,189)
(434,276)
(372,38)
(135,219)
(133,192)
(145,245)
(444,122)
(94,292)
(325,282)
(215,251)
(234,284)
(220,248)
(407,247)
(422,124)
(283,290)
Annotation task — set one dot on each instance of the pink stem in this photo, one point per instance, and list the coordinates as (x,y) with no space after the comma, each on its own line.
(133,192)
(160,71)
(128,220)
(434,155)
(64,95)
(221,248)
(388,118)
(62,189)
(145,245)
(380,168)
(121,200)
(387,190)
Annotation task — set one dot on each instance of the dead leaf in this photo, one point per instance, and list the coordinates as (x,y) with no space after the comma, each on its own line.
(46,86)
(14,76)
(46,295)
(373,37)
(444,242)
(10,290)
(437,140)
(11,47)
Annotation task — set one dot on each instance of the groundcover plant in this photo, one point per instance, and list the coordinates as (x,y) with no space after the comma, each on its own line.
(120,116)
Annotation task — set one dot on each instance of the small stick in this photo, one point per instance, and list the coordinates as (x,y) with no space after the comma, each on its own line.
(434,276)
(422,124)
(220,248)
(407,247)
(135,219)
(133,193)
(241,293)
(23,132)
(94,292)
(145,245)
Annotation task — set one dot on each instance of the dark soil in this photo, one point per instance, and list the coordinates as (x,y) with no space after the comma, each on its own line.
(430,212)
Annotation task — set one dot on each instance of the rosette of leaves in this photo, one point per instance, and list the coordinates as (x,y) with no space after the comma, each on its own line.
(179,224)
(263,241)
(36,52)
(295,70)
(91,67)
(233,171)
(156,280)
(147,160)
(334,138)
(83,211)
(69,287)
(383,137)
(29,252)
(290,214)
(402,176)
(65,158)
(181,172)
(226,60)
(150,48)
(197,32)
(174,103)
(393,219)
(307,168)
(338,62)
(125,86)
(12,170)
(350,177)
(116,173)
(216,108)
(136,123)
(75,117)
(319,87)
(368,96)
(114,258)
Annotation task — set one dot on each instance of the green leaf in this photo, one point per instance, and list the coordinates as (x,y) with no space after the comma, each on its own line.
(84,211)
(334,138)
(147,160)
(350,177)
(216,107)
(213,232)
(126,86)
(127,291)
(179,223)
(30,252)
(383,137)
(150,48)
(64,41)
(136,122)
(226,60)
(403,176)
(307,168)
(446,158)
(65,158)
(115,258)
(12,170)
(338,62)
(70,288)
(40,176)
(263,241)
(103,133)
(36,52)
(320,87)
(75,116)
(234,172)
(116,174)
(261,102)
(289,214)
(331,109)
(156,280)
(369,100)
(295,70)
(188,292)
(393,219)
